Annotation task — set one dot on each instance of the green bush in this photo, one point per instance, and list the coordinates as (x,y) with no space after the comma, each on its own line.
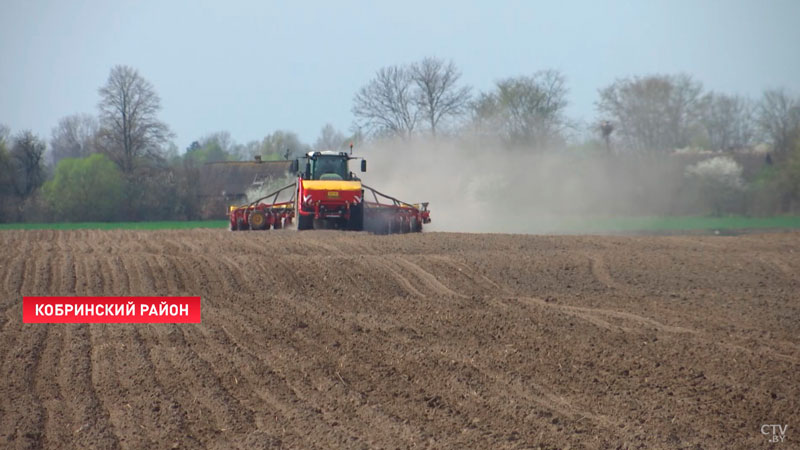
(718,182)
(84,189)
(776,188)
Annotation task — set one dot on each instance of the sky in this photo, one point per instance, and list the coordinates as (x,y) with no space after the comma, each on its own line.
(253,67)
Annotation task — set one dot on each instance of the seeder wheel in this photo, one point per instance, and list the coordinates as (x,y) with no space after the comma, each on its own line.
(258,221)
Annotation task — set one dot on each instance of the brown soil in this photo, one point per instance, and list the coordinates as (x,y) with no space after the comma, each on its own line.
(440,340)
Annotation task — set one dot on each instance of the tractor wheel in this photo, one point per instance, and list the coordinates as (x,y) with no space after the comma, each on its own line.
(239,224)
(356,222)
(305,222)
(258,221)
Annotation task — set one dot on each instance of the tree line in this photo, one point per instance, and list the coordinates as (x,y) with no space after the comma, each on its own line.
(653,113)
(122,164)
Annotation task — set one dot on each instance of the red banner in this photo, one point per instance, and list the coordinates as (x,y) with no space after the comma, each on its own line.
(111,309)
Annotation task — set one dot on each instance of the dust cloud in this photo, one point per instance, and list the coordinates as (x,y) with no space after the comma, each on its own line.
(475,188)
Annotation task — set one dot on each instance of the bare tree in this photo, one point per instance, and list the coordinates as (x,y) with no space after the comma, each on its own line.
(387,104)
(27,154)
(8,204)
(729,121)
(330,139)
(654,112)
(779,119)
(438,95)
(6,168)
(73,137)
(525,111)
(130,129)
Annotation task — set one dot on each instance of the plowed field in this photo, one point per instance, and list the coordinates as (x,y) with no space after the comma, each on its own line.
(434,340)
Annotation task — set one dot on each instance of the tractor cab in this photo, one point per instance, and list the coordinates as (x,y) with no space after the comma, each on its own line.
(327,166)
